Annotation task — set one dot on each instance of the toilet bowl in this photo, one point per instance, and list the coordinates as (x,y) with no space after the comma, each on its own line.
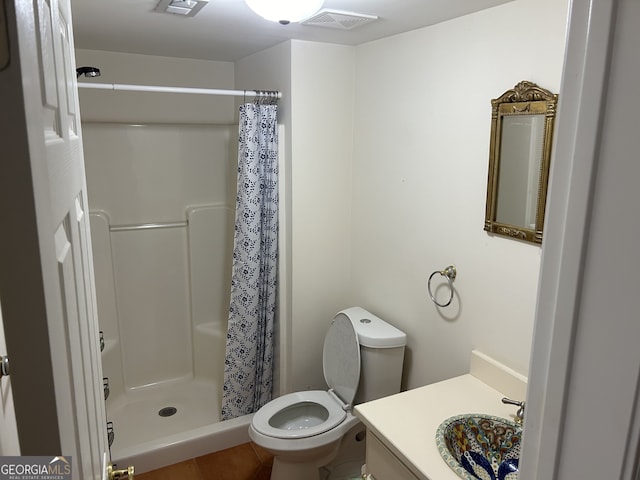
(304,430)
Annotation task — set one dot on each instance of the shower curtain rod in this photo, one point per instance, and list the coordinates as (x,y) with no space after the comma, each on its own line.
(199,91)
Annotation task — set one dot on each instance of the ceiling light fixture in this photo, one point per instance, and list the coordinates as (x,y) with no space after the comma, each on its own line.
(285,11)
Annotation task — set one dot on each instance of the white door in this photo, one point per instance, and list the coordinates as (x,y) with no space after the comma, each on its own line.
(47,293)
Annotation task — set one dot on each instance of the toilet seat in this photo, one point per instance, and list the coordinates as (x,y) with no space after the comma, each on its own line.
(324,413)
(309,413)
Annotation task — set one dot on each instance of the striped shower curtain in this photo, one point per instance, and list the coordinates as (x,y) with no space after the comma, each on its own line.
(248,367)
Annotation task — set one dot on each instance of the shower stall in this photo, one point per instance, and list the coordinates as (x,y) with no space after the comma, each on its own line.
(162,200)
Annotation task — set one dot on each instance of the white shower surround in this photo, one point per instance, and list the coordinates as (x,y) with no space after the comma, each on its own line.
(163,294)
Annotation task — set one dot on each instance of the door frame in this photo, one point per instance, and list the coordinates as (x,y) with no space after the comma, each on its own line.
(564,363)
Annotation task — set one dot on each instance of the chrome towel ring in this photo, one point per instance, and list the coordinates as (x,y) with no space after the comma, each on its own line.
(450,273)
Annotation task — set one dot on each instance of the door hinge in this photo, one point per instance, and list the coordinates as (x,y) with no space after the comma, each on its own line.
(105,385)
(111,434)
(4,366)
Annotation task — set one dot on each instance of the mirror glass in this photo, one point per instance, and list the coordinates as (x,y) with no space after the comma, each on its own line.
(521,133)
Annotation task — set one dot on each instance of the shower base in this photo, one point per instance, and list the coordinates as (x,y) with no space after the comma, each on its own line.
(135,414)
(147,440)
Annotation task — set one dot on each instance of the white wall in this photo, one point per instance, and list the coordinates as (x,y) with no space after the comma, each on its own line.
(155,107)
(322,147)
(386,168)
(422,122)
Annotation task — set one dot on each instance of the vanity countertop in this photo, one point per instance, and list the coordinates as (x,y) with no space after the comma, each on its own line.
(406,422)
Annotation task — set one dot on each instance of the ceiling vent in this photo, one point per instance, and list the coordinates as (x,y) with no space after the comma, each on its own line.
(338,19)
(186,8)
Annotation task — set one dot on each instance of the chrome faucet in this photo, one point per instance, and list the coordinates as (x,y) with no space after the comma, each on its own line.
(520,412)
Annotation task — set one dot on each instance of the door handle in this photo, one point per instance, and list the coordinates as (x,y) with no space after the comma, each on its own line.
(119,474)
(4,366)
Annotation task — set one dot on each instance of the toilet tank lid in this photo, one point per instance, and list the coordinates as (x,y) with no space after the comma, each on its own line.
(372,331)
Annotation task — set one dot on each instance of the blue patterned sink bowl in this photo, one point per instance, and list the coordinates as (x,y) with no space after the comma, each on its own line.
(480,447)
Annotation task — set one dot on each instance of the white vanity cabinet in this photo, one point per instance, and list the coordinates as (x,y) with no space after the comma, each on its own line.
(382,464)
(401,428)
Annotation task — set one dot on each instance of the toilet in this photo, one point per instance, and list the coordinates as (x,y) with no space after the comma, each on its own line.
(362,360)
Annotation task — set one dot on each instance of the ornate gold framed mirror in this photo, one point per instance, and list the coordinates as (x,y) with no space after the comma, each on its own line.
(519,157)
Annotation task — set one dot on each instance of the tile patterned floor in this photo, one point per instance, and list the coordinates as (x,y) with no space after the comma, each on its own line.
(244,462)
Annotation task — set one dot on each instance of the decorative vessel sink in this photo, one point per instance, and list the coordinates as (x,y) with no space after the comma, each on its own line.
(480,447)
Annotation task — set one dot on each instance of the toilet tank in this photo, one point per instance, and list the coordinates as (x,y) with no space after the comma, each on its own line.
(381,354)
